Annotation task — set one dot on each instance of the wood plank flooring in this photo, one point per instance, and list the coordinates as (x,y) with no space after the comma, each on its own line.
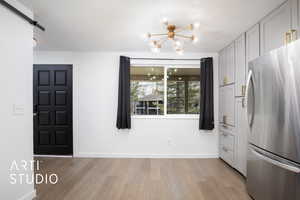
(140,179)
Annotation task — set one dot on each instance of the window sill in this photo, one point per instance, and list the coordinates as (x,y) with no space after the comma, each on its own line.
(193,117)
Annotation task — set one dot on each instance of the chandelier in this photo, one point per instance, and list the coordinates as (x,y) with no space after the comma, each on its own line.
(174,34)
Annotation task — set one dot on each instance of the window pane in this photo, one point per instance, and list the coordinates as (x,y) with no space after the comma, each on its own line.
(183,90)
(147,90)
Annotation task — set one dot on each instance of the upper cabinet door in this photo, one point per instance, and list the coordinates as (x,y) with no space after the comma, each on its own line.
(274,27)
(230,64)
(240,66)
(252,45)
(227,65)
(221,67)
(295,4)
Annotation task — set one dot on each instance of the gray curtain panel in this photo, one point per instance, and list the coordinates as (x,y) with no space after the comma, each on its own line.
(206,121)
(123,116)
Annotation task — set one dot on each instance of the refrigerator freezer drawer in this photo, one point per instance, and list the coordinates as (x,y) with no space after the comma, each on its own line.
(271,177)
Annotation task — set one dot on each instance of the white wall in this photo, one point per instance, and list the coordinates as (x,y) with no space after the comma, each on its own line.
(16,89)
(95,108)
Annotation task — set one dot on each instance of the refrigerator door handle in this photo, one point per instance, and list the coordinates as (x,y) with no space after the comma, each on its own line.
(276,163)
(250,116)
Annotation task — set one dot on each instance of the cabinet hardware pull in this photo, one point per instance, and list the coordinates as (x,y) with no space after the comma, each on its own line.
(224,119)
(293,33)
(287,38)
(225,80)
(243,103)
(243,90)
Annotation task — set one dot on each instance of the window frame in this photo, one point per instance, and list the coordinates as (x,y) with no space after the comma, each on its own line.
(166,115)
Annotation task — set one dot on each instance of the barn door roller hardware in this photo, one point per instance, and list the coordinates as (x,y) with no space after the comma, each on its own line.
(22,15)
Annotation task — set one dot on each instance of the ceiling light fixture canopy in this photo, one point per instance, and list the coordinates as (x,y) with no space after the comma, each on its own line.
(156,40)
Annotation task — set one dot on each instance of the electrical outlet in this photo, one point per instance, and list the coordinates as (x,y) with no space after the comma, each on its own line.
(170,142)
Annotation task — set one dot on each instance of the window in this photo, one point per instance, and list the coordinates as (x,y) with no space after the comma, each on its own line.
(147,90)
(165,90)
(183,93)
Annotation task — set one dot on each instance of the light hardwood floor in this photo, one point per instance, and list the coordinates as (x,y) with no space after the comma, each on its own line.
(140,179)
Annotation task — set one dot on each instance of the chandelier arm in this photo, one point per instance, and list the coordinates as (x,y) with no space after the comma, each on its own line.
(180,29)
(159,34)
(184,36)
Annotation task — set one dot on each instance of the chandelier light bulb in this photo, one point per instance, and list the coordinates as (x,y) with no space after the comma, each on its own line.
(153,43)
(155,50)
(195,39)
(178,43)
(165,21)
(146,36)
(196,25)
(191,27)
(179,51)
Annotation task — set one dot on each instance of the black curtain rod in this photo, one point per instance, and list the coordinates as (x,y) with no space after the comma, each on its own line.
(22,15)
(161,59)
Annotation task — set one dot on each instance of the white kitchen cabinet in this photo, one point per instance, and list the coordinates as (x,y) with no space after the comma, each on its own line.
(227,147)
(265,36)
(298,15)
(295,4)
(274,26)
(252,45)
(227,65)
(222,67)
(227,105)
(240,66)
(230,64)
(221,104)
(241,133)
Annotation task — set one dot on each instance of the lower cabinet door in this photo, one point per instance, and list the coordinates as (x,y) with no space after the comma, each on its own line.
(241,131)
(227,155)
(227,147)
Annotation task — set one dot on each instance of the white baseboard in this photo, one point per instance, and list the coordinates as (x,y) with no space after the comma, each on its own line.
(29,195)
(120,155)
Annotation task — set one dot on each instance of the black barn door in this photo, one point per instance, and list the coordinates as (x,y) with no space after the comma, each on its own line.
(52,104)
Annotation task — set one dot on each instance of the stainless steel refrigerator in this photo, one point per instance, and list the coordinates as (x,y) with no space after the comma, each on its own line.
(273,111)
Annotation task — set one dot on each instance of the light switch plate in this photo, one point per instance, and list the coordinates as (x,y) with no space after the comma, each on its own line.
(18,109)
